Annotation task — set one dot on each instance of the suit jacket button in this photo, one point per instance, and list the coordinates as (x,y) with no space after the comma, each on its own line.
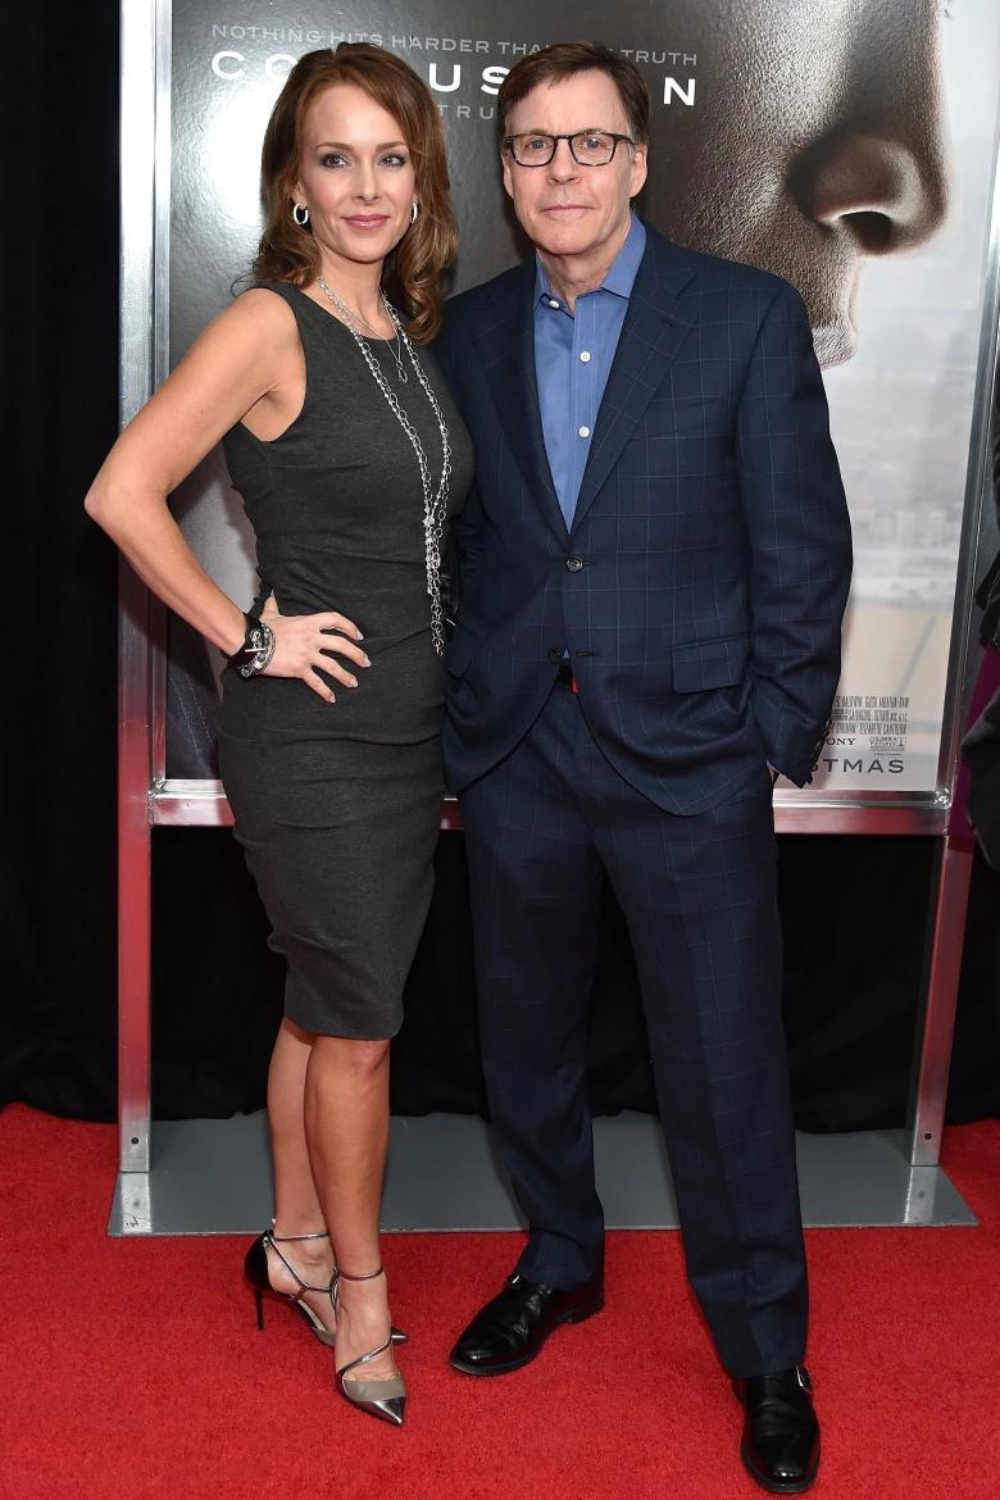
(574,564)
(555,655)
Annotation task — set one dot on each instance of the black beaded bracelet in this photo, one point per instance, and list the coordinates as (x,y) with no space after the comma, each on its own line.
(256,650)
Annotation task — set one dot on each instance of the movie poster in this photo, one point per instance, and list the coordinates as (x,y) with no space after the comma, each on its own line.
(849,147)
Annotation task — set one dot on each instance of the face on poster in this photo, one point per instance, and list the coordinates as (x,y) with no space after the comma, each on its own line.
(848,147)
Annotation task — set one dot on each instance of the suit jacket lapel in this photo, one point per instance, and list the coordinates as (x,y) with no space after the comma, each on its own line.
(655,327)
(508,351)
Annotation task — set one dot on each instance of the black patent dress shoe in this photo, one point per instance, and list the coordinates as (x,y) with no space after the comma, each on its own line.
(509,1331)
(780,1447)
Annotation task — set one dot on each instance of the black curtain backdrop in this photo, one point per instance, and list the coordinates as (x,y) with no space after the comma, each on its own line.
(854,909)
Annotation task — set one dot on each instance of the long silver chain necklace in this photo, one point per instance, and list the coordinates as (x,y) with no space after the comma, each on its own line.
(394,345)
(435,501)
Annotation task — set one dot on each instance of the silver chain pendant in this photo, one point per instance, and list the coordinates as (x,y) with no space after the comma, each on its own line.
(350,313)
(435,501)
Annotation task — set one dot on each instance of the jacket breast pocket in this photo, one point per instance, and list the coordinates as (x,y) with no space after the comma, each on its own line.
(701,665)
(668,414)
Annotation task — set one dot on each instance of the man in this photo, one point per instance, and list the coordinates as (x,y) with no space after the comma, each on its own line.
(654,567)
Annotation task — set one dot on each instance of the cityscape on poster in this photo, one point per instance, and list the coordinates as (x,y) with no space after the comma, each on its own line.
(849,149)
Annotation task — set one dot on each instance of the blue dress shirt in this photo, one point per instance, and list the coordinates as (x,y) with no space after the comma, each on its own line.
(573,357)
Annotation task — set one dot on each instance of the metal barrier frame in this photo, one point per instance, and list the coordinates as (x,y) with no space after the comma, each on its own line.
(147,799)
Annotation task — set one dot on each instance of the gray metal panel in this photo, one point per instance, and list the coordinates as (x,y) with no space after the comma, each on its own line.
(181,804)
(214,1177)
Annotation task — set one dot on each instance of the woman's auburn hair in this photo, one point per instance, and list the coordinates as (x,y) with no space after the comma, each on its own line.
(288,252)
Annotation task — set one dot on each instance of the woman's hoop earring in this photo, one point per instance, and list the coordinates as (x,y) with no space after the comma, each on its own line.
(414,210)
(300,214)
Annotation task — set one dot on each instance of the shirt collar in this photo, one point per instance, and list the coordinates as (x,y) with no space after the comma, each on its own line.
(621,274)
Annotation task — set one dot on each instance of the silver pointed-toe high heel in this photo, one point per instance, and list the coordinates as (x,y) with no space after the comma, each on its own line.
(255,1270)
(382,1398)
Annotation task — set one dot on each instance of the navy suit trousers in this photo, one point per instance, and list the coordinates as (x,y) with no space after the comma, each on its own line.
(699,897)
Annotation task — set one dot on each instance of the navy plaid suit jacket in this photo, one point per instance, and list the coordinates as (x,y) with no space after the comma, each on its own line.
(701,588)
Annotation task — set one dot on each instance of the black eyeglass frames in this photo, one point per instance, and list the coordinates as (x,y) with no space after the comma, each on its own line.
(589,148)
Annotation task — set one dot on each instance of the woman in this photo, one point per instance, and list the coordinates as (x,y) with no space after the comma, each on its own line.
(349,455)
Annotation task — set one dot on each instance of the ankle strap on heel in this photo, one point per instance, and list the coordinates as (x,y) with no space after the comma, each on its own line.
(289,1239)
(339,1276)
(365,1275)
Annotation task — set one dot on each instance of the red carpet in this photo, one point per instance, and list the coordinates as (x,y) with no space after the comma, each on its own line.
(132,1369)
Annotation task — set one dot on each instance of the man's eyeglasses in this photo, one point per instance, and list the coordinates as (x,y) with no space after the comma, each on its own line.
(590,148)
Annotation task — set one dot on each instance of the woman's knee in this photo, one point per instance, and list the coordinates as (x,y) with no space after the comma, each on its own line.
(363,1058)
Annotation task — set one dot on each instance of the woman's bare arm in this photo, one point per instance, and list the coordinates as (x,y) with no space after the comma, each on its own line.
(248,360)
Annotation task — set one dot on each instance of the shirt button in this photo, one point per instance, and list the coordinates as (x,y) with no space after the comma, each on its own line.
(585,357)
(554,303)
(574,564)
(585,432)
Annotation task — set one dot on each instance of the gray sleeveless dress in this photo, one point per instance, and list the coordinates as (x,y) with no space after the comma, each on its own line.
(337,805)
